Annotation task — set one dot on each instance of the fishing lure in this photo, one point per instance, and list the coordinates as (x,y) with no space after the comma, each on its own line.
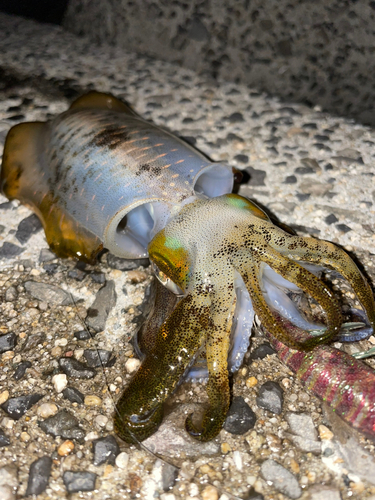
(99,176)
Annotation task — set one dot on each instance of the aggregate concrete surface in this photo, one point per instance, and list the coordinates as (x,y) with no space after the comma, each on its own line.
(312,170)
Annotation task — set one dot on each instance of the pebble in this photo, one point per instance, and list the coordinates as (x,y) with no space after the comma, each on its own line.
(282,479)
(92,400)
(17,407)
(33,341)
(27,227)
(73,395)
(125,264)
(132,365)
(210,493)
(105,450)
(11,294)
(4,439)
(59,382)
(257,177)
(240,417)
(25,437)
(104,301)
(168,476)
(47,410)
(99,357)
(77,274)
(98,278)
(21,370)
(251,382)
(9,250)
(76,369)
(8,342)
(270,397)
(65,448)
(83,335)
(79,481)
(122,460)
(8,482)
(321,492)
(262,351)
(46,255)
(305,435)
(101,421)
(62,424)
(225,448)
(324,432)
(4,396)
(51,294)
(39,474)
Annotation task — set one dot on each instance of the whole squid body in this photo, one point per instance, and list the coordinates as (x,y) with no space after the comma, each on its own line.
(99,176)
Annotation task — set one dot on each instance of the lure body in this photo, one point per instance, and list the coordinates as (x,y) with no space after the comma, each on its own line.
(100,176)
(344,383)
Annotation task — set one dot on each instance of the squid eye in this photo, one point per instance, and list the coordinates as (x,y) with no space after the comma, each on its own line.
(165,281)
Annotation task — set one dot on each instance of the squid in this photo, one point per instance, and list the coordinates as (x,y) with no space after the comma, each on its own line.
(101,177)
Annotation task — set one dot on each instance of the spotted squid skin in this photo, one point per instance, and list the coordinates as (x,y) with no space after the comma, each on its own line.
(99,153)
(346,384)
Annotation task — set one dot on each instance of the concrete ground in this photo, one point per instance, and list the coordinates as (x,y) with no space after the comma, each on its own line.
(312,171)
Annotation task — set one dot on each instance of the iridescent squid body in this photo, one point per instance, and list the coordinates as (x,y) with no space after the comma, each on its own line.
(99,176)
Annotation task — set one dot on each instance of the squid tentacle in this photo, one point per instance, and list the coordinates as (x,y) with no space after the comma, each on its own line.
(140,408)
(217,348)
(333,257)
(303,279)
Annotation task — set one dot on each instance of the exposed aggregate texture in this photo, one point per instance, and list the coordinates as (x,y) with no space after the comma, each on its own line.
(312,170)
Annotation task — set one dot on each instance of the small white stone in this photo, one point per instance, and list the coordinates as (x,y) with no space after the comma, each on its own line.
(101,421)
(17,359)
(237,459)
(60,382)
(61,342)
(34,272)
(91,436)
(132,365)
(7,423)
(122,460)
(78,353)
(46,410)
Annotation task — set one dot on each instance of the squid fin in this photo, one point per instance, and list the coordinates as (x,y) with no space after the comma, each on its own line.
(25,176)
(100,100)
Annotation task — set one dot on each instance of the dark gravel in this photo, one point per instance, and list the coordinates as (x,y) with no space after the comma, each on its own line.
(62,424)
(4,440)
(105,449)
(27,227)
(73,368)
(240,417)
(73,395)
(21,370)
(98,357)
(104,301)
(270,397)
(17,407)
(8,342)
(40,471)
(79,481)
